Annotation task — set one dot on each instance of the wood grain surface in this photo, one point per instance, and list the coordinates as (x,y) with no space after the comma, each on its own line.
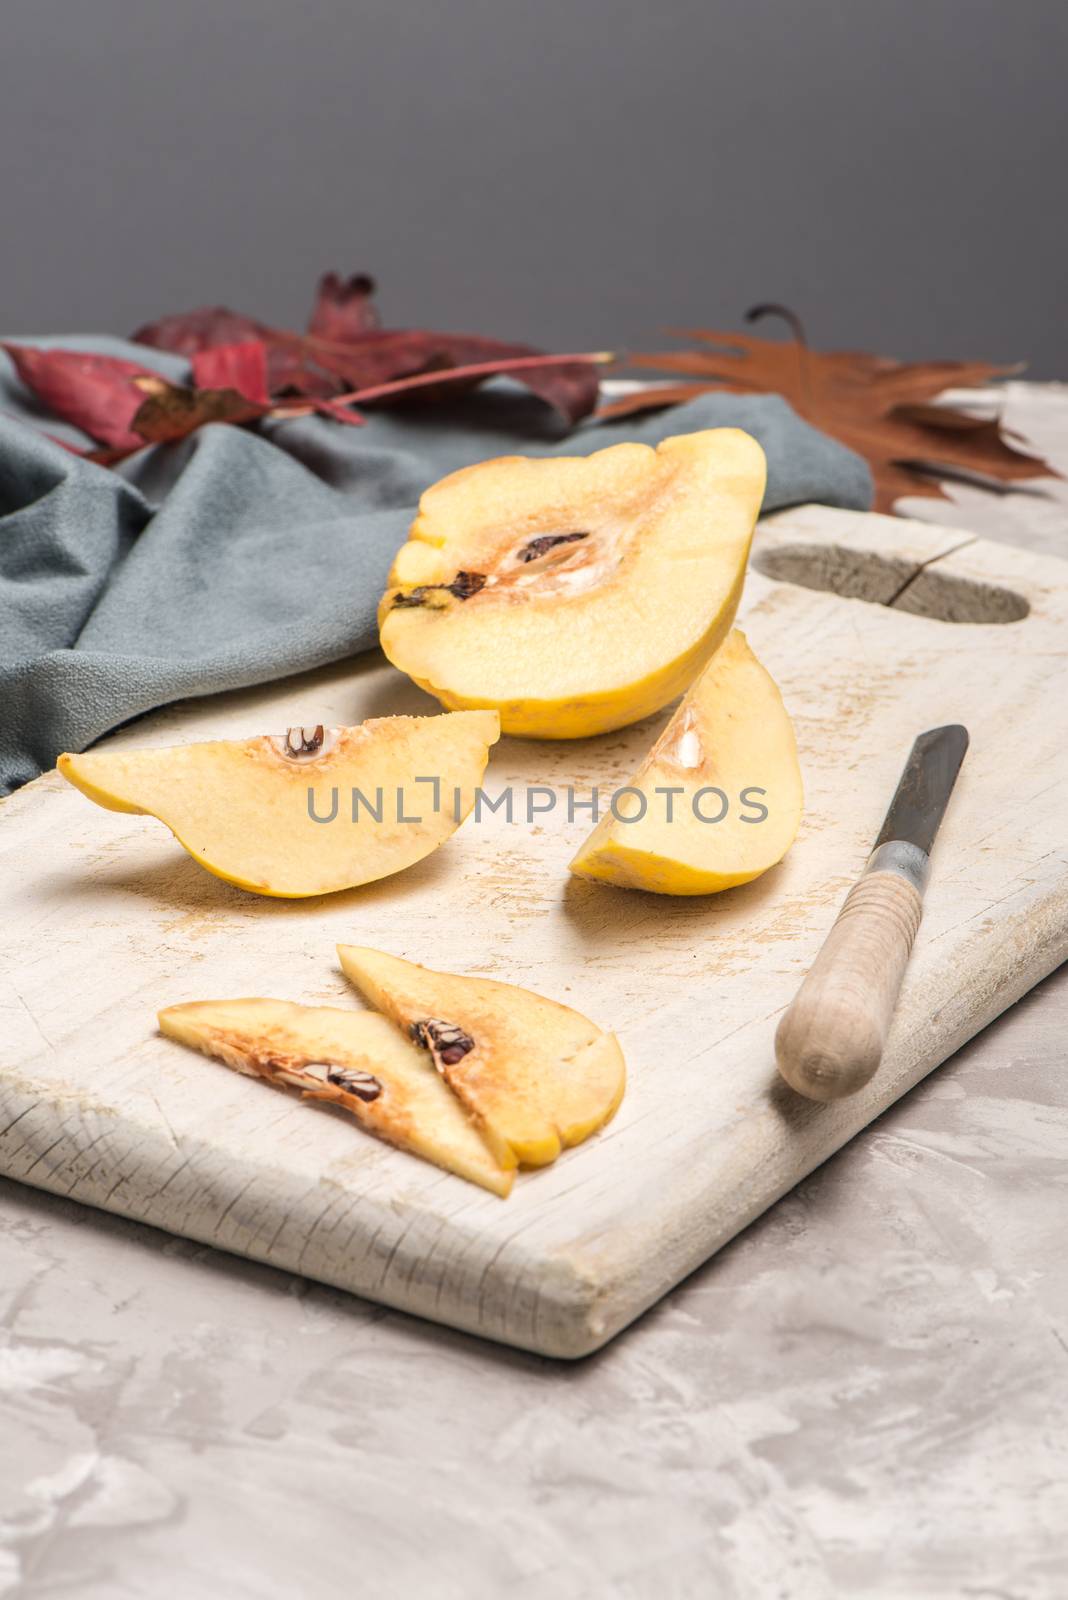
(106,920)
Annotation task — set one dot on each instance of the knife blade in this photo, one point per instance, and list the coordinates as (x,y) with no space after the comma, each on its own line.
(831,1038)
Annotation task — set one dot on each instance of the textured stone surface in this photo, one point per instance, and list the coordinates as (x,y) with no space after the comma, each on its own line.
(865,1394)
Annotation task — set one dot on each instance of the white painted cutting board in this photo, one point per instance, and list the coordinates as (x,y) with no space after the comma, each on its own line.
(105,919)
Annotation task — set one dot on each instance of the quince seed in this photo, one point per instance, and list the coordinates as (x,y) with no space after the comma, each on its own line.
(364,1085)
(446,1042)
(547,541)
(305,741)
(462,587)
(305,744)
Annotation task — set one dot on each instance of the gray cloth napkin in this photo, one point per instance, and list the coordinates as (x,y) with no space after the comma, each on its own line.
(234,558)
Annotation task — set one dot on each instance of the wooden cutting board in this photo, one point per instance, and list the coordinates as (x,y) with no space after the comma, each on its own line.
(105,919)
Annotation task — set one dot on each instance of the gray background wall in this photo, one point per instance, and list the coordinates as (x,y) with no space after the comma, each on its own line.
(575,172)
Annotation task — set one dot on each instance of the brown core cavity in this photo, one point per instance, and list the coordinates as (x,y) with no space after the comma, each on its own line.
(548,565)
(305,744)
(305,741)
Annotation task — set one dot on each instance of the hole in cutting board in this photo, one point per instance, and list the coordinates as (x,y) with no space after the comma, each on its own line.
(923,591)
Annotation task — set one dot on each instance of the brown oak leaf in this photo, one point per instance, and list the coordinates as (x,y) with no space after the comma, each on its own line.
(881,408)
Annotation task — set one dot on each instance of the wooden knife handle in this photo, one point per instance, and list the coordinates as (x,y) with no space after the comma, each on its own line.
(830,1040)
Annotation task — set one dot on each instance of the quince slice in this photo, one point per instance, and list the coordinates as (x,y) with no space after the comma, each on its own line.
(575,595)
(309,811)
(730,756)
(355,1060)
(534,1075)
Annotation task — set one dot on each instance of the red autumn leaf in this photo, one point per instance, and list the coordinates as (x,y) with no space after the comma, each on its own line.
(291,368)
(95,393)
(434,384)
(294,367)
(343,307)
(525,369)
(168,411)
(189,331)
(239,364)
(234,366)
(381,358)
(376,356)
(344,350)
(572,388)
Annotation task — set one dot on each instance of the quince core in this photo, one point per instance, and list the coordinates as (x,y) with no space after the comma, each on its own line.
(534,1075)
(730,756)
(241,807)
(355,1060)
(575,595)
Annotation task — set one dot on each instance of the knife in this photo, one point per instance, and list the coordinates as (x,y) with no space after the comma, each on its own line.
(830,1040)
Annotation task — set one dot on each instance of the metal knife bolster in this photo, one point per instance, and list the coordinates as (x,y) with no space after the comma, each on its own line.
(907,860)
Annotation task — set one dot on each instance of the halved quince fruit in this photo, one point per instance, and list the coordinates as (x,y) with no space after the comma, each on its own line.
(730,757)
(575,595)
(534,1075)
(356,1060)
(309,811)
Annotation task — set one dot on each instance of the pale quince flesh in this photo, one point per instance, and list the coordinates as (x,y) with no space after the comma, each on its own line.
(355,1060)
(729,753)
(575,595)
(241,808)
(534,1075)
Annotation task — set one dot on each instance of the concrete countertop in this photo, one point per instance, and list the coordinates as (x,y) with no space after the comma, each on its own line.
(865,1394)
